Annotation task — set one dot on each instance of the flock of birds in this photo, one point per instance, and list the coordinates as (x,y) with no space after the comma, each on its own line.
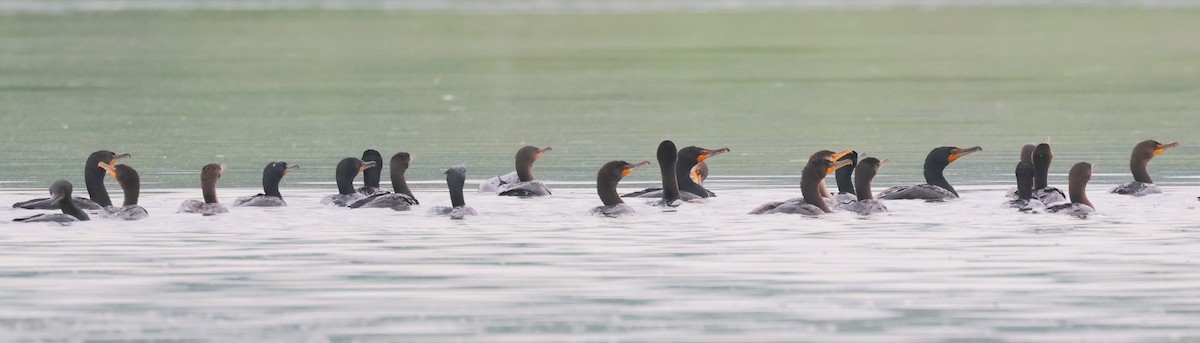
(683,174)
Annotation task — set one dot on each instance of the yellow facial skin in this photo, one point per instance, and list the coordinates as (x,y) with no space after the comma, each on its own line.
(629,169)
(837,165)
(705,154)
(957,153)
(109,167)
(1164,147)
(838,155)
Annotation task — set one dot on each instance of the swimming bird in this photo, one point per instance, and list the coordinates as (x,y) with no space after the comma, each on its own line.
(1042,156)
(93,177)
(864,202)
(687,159)
(1078,179)
(209,175)
(270,197)
(845,180)
(403,198)
(371,175)
(1026,156)
(60,193)
(667,156)
(347,170)
(131,184)
(456,176)
(520,182)
(812,201)
(1142,153)
(1025,200)
(832,156)
(936,187)
(606,186)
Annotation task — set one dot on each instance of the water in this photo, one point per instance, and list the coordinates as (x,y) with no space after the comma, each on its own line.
(534,270)
(180,89)
(556,6)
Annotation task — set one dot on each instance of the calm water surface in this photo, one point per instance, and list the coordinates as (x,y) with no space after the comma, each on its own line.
(530,270)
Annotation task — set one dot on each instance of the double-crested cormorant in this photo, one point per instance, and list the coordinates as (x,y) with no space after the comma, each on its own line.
(371,175)
(270,197)
(1142,153)
(403,198)
(832,156)
(1025,200)
(936,187)
(456,176)
(812,202)
(347,170)
(864,202)
(131,184)
(520,182)
(845,180)
(1026,157)
(1042,156)
(60,193)
(606,186)
(685,175)
(93,177)
(1078,179)
(209,175)
(667,156)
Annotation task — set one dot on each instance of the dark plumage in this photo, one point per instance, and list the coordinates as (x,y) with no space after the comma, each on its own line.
(131,185)
(936,187)
(209,175)
(606,187)
(1142,184)
(347,170)
(403,198)
(456,176)
(273,173)
(60,193)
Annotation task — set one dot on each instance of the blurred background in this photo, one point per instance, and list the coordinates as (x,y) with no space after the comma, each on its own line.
(183,83)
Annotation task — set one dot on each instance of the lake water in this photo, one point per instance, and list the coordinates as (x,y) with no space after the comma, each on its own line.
(530,270)
(180,89)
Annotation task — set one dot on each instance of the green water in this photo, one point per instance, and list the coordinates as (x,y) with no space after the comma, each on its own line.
(181,89)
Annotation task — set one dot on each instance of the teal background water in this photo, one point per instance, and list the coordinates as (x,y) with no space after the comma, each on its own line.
(182,89)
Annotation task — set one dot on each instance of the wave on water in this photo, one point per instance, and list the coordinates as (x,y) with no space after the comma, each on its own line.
(564,6)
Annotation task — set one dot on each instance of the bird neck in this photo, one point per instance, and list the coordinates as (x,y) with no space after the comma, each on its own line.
(845,180)
(345,183)
(1138,166)
(456,193)
(68,207)
(669,180)
(371,176)
(271,185)
(525,170)
(399,183)
(1024,188)
(95,186)
(606,188)
(862,187)
(209,188)
(132,190)
(933,176)
(1041,176)
(683,178)
(1079,192)
(811,191)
